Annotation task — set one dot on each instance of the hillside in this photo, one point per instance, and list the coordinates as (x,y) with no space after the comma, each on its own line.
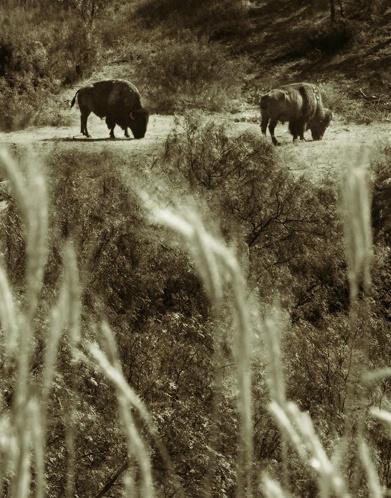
(355,49)
(193,56)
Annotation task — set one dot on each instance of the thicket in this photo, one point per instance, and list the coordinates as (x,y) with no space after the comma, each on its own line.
(187,72)
(181,322)
(281,220)
(176,58)
(216,19)
(43,46)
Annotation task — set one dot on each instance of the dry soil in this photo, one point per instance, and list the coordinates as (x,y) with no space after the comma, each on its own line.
(341,145)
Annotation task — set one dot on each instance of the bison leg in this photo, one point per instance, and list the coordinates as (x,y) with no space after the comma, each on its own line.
(293,129)
(126,133)
(272,126)
(111,125)
(83,122)
(297,129)
(264,123)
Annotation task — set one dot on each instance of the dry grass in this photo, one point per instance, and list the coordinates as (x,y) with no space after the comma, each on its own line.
(24,425)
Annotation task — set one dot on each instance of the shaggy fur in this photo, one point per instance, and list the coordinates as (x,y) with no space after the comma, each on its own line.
(116,100)
(301,105)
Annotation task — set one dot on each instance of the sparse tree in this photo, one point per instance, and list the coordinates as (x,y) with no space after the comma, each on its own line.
(333,10)
(87,9)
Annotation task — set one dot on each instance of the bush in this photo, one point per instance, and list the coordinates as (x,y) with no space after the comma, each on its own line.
(216,19)
(277,219)
(330,39)
(204,152)
(186,73)
(349,103)
(41,49)
(381,211)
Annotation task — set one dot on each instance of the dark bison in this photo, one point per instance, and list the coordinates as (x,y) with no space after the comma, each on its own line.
(118,101)
(301,105)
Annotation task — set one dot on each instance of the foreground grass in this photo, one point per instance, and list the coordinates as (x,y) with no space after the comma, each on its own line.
(38,337)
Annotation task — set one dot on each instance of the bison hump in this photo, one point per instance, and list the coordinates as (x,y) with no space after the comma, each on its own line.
(273,97)
(124,95)
(264,101)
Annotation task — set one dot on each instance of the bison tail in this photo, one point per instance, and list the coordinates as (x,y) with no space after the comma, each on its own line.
(74,99)
(304,94)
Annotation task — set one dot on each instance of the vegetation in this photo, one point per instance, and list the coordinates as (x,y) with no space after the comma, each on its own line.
(186,55)
(205,322)
(182,331)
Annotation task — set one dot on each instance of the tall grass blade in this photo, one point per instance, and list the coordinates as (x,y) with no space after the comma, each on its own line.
(8,316)
(272,328)
(31,197)
(271,488)
(356,200)
(357,224)
(30,193)
(375,489)
(298,428)
(20,487)
(110,366)
(127,398)
(382,415)
(38,442)
(217,267)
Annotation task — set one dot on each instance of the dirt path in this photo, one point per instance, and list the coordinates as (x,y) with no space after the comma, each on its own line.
(342,143)
(158,129)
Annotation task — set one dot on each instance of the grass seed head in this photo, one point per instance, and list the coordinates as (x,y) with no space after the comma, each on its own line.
(357,224)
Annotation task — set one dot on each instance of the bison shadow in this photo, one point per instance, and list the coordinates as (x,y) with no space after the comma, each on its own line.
(294,143)
(89,139)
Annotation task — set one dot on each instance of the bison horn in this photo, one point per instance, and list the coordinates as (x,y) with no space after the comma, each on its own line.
(131,116)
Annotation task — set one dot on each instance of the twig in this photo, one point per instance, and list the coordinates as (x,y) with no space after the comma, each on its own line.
(110,483)
(369,97)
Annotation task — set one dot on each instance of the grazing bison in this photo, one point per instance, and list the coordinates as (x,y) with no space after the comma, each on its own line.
(118,101)
(301,105)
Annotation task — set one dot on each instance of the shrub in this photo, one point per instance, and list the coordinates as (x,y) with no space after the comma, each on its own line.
(186,72)
(216,19)
(73,52)
(330,39)
(88,10)
(351,105)
(278,217)
(41,48)
(381,211)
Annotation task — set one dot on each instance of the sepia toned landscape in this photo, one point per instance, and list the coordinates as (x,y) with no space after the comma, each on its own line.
(200,308)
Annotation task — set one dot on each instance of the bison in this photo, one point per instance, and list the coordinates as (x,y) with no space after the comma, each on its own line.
(301,105)
(119,101)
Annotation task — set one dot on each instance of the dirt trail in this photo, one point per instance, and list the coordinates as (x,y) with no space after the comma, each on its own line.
(341,144)
(66,137)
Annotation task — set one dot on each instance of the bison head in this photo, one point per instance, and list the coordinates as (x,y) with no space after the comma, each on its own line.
(318,126)
(138,121)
